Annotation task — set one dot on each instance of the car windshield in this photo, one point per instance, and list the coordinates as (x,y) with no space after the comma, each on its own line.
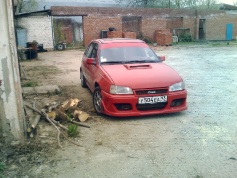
(125,55)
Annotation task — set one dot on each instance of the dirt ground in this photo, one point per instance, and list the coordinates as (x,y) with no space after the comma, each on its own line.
(199,142)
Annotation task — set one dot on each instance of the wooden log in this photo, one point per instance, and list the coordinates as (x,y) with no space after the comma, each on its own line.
(36,121)
(65,117)
(46,116)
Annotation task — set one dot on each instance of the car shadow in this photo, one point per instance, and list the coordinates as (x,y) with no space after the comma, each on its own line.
(150,117)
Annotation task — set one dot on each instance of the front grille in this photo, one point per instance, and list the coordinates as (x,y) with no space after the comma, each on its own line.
(146,107)
(151,92)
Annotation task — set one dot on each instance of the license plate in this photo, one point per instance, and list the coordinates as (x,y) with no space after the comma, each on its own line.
(152,100)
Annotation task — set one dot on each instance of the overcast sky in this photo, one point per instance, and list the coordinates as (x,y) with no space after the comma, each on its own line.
(98,3)
(227,1)
(112,1)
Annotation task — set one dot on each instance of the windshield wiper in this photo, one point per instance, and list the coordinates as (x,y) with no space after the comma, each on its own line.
(142,61)
(113,62)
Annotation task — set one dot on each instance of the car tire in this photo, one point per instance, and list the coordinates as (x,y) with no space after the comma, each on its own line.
(60,46)
(83,80)
(97,101)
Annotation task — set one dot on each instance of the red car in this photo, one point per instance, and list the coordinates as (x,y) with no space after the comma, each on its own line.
(128,79)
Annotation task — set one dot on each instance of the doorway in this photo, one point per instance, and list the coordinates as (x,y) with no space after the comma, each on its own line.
(202,29)
(131,24)
(68,30)
(229,31)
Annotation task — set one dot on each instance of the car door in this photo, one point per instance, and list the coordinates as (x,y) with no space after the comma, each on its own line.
(85,66)
(91,68)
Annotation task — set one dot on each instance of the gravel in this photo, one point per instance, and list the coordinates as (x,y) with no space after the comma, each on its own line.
(199,142)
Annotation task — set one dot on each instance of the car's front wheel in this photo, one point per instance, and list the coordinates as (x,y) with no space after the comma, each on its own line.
(97,100)
(83,80)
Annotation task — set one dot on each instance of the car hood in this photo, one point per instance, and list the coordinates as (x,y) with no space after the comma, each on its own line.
(149,75)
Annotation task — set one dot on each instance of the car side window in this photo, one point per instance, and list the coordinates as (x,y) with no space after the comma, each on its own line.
(94,51)
(89,50)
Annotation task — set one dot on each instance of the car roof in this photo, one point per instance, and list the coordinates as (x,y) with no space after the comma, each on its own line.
(119,40)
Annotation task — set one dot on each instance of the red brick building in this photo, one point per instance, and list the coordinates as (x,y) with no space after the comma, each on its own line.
(206,25)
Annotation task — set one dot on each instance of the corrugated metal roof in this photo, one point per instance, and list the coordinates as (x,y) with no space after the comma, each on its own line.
(46,12)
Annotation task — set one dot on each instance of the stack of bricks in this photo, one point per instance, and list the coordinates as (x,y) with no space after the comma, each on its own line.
(114,34)
(163,37)
(129,35)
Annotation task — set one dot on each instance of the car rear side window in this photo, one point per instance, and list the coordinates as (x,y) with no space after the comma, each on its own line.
(94,51)
(91,51)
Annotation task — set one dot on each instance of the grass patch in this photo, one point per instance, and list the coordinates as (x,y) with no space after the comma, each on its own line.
(29,84)
(2,168)
(46,71)
(72,130)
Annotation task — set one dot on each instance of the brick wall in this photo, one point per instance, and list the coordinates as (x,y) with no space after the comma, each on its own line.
(101,18)
(38,28)
(150,25)
(129,35)
(92,26)
(114,11)
(68,30)
(190,23)
(216,27)
(176,22)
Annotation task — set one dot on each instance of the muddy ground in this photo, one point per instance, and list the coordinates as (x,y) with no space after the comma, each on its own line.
(199,142)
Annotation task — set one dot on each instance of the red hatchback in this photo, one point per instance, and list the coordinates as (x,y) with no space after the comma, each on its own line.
(128,79)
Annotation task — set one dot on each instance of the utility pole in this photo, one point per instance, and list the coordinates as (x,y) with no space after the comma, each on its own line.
(11,103)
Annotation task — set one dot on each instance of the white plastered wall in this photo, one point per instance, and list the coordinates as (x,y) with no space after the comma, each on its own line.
(38,28)
(11,103)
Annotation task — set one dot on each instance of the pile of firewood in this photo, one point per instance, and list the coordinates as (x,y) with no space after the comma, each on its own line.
(67,111)
(56,114)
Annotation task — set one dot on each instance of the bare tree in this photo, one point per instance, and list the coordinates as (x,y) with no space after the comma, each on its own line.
(26,6)
(136,3)
(197,4)
(178,4)
(208,4)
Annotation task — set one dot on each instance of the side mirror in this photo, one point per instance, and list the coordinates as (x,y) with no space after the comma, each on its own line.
(162,58)
(90,61)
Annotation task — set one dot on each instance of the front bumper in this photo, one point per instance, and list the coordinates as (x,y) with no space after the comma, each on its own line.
(113,104)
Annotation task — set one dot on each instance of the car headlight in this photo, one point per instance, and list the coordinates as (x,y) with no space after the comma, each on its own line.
(177,86)
(120,90)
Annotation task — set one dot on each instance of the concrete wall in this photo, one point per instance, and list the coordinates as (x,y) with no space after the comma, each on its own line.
(38,28)
(11,106)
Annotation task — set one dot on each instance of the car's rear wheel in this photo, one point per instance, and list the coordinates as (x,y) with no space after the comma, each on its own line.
(97,101)
(83,80)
